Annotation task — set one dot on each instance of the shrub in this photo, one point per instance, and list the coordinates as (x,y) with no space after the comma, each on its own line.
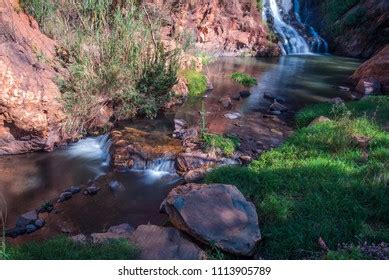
(113,57)
(244,79)
(227,145)
(197,82)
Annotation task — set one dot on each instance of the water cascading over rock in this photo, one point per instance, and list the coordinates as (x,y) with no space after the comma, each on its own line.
(295,36)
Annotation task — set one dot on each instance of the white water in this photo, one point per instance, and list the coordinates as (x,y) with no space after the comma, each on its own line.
(291,41)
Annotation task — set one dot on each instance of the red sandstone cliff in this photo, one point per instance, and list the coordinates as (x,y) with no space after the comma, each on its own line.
(30,113)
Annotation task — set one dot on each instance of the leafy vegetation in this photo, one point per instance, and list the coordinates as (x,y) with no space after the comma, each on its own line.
(197,82)
(244,79)
(113,55)
(321,184)
(227,144)
(63,248)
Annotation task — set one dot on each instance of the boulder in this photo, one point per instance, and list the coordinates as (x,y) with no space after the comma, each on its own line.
(65,196)
(276,106)
(369,86)
(164,243)
(217,215)
(92,190)
(318,120)
(233,116)
(123,231)
(31,228)
(15,232)
(26,219)
(226,102)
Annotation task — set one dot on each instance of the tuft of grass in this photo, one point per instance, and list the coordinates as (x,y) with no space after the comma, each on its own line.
(63,248)
(244,79)
(227,144)
(373,107)
(319,183)
(197,82)
(353,253)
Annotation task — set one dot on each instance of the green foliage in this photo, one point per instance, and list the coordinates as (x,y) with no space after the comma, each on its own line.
(319,183)
(353,253)
(334,9)
(374,107)
(197,82)
(244,79)
(63,248)
(113,58)
(227,144)
(40,9)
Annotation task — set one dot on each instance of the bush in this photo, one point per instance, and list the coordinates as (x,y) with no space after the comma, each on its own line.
(319,183)
(244,79)
(63,248)
(113,58)
(197,82)
(227,145)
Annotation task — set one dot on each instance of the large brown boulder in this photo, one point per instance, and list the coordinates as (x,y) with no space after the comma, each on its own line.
(374,69)
(217,215)
(30,111)
(162,243)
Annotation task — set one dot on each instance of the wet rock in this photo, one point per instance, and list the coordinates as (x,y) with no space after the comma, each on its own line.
(268,95)
(26,219)
(163,243)
(369,86)
(276,106)
(31,228)
(180,124)
(123,231)
(92,190)
(217,215)
(244,93)
(74,189)
(80,239)
(116,186)
(39,223)
(245,159)
(15,232)
(195,160)
(65,196)
(233,116)
(336,101)
(341,88)
(226,102)
(318,120)
(195,176)
(48,207)
(236,97)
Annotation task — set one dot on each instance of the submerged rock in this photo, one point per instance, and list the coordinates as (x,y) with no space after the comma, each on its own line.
(233,116)
(244,93)
(164,243)
(65,196)
(217,215)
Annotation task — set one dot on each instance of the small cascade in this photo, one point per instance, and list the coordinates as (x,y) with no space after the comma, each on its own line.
(163,165)
(295,36)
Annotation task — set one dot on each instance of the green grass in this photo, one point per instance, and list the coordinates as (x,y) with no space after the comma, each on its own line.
(374,107)
(227,144)
(63,248)
(244,79)
(353,253)
(197,82)
(319,183)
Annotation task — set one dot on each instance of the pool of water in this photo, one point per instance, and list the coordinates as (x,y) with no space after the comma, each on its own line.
(28,181)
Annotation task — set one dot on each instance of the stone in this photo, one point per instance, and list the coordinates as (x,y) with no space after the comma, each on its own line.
(226,102)
(15,232)
(276,131)
(236,97)
(336,101)
(268,95)
(244,93)
(217,215)
(39,223)
(121,229)
(195,160)
(318,120)
(276,106)
(245,159)
(116,186)
(361,141)
(92,190)
(276,113)
(26,219)
(233,116)
(195,176)
(180,124)
(65,196)
(342,88)
(80,238)
(31,229)
(74,190)
(369,86)
(164,243)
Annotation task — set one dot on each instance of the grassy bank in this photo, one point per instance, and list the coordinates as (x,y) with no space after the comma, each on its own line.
(63,248)
(320,184)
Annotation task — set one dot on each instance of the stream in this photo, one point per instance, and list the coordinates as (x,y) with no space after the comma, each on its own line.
(28,181)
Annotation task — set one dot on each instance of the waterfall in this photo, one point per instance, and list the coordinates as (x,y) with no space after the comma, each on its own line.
(161,165)
(292,41)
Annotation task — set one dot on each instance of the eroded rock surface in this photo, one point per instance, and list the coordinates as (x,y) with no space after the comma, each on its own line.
(30,111)
(217,215)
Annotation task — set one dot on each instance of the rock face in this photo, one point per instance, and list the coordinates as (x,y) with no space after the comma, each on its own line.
(231,27)
(218,215)
(30,113)
(161,243)
(376,68)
